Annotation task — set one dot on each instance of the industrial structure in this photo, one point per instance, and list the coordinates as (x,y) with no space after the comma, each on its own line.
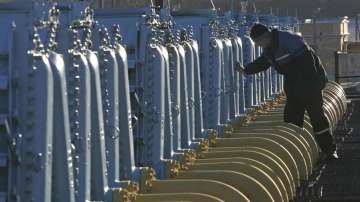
(144,104)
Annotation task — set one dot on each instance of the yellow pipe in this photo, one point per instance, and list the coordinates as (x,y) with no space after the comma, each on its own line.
(301,156)
(249,186)
(237,151)
(300,132)
(274,117)
(284,185)
(269,121)
(307,134)
(308,140)
(264,159)
(248,169)
(265,143)
(181,197)
(277,116)
(267,161)
(258,154)
(264,122)
(270,116)
(299,140)
(198,185)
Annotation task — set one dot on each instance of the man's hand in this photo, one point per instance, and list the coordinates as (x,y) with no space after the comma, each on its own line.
(239,68)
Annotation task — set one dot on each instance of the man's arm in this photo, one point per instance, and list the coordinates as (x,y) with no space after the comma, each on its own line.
(258,65)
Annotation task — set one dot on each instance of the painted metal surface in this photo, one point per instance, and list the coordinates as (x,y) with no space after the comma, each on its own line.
(62,160)
(36,169)
(249,56)
(80,122)
(109,76)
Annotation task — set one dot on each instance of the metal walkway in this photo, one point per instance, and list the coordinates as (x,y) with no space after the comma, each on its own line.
(339,181)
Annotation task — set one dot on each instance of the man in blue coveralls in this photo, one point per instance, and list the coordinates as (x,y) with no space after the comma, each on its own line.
(304,79)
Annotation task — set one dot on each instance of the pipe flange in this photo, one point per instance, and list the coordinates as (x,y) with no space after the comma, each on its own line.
(203,146)
(228,130)
(212,137)
(126,194)
(147,177)
(187,159)
(172,168)
(245,121)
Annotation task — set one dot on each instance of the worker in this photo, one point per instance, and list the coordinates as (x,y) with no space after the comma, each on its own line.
(304,80)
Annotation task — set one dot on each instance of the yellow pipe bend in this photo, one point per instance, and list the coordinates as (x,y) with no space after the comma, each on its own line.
(300,141)
(265,143)
(307,139)
(249,186)
(300,154)
(307,134)
(270,116)
(270,122)
(249,169)
(226,152)
(181,197)
(275,115)
(284,187)
(310,141)
(283,172)
(204,186)
(299,132)
(308,126)
(273,122)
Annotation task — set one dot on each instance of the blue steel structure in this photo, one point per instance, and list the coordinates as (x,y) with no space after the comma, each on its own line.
(89,98)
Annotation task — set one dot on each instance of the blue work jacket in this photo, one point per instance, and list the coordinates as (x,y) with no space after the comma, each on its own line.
(291,56)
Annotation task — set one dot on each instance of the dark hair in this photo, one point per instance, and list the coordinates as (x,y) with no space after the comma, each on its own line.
(257,30)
